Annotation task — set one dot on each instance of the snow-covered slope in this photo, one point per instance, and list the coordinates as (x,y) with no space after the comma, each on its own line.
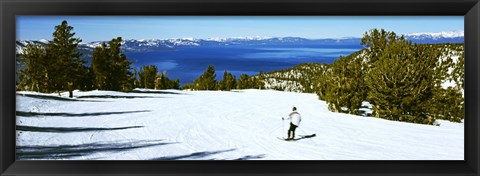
(205,125)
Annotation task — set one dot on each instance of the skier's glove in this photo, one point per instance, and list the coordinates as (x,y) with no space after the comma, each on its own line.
(283,119)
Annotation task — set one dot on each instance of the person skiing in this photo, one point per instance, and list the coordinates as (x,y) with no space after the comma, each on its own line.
(295,119)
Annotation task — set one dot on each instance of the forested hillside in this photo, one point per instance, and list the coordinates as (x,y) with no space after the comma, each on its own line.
(402,81)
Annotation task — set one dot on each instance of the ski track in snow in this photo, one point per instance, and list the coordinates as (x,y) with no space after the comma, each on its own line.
(218,125)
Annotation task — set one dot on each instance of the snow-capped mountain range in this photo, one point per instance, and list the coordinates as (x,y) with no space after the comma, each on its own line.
(140,45)
(437,35)
(159,44)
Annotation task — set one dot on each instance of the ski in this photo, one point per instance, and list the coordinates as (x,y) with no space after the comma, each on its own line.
(299,137)
(308,136)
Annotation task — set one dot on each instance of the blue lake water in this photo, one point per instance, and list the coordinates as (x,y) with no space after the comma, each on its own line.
(187,64)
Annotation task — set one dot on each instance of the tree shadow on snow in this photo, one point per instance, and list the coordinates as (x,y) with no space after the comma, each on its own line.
(156,92)
(67,129)
(196,155)
(250,157)
(237,91)
(69,151)
(115,96)
(32,114)
(50,97)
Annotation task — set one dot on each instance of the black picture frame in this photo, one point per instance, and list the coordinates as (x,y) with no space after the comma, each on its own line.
(470,9)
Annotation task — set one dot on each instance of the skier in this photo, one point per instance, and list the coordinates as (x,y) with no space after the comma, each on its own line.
(295,119)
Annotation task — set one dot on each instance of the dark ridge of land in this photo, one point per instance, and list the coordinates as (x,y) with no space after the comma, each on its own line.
(67,129)
(33,114)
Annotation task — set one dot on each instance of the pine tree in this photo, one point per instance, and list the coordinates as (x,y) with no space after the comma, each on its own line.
(344,85)
(376,41)
(319,83)
(121,67)
(33,76)
(401,82)
(88,81)
(64,66)
(159,81)
(459,71)
(231,82)
(187,86)
(147,76)
(257,82)
(251,82)
(447,104)
(111,67)
(135,79)
(207,80)
(221,84)
(101,67)
(228,83)
(243,82)
(163,82)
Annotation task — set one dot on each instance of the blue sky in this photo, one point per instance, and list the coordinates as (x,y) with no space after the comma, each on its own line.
(102,28)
